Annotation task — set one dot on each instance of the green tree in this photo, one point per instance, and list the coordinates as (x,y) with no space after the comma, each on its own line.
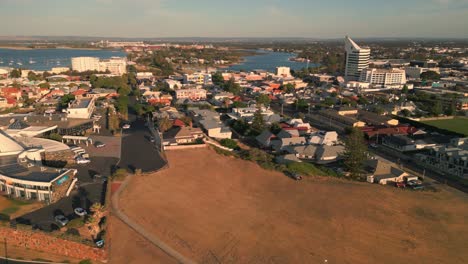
(32,76)
(44,85)
(355,153)
(430,76)
(258,123)
(263,99)
(275,128)
(288,88)
(436,108)
(217,78)
(232,87)
(301,104)
(405,89)
(65,100)
(15,73)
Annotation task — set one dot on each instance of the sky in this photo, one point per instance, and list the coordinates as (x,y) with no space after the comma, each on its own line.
(235,18)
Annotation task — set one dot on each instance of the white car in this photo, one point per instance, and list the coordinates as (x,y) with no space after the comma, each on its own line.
(126,126)
(62,220)
(80,211)
(82,161)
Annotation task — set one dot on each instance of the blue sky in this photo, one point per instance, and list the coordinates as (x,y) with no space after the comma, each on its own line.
(236,18)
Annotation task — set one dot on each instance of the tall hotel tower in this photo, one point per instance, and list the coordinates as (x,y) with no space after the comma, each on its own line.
(357,59)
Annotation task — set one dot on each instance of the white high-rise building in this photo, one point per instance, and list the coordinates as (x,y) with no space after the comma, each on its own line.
(82,64)
(357,59)
(114,65)
(283,71)
(384,78)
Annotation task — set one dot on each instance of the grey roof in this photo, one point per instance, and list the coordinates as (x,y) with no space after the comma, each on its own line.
(325,151)
(288,158)
(18,125)
(265,138)
(382,170)
(308,150)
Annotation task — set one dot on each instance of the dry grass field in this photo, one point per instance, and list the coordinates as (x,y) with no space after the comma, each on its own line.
(216,209)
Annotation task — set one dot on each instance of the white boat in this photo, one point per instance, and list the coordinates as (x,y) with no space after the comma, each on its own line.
(31,61)
(19,63)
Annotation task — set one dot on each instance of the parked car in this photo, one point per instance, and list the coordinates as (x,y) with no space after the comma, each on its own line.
(373,145)
(295,176)
(100,243)
(61,220)
(99,144)
(82,161)
(400,185)
(415,184)
(80,211)
(152,139)
(126,126)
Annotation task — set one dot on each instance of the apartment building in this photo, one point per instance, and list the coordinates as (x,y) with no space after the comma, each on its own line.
(191,94)
(197,78)
(115,65)
(82,64)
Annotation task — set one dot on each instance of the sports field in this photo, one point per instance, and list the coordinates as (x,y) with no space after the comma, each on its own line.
(459,125)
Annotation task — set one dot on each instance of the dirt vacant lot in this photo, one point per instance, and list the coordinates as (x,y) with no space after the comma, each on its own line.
(216,209)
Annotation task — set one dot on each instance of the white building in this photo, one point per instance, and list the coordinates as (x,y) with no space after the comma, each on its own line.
(283,71)
(82,64)
(114,65)
(59,70)
(198,78)
(191,94)
(357,59)
(81,108)
(384,78)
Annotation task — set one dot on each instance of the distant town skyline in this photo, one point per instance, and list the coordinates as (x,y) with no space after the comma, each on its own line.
(242,18)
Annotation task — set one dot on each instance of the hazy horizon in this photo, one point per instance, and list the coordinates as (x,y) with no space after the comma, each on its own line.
(240,19)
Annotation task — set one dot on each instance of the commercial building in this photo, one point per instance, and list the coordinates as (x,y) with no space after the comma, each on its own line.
(357,59)
(81,108)
(384,78)
(22,174)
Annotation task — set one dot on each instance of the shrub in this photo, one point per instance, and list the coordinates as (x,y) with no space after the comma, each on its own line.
(119,174)
(229,143)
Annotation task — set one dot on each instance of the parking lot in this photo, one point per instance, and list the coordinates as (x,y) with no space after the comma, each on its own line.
(90,189)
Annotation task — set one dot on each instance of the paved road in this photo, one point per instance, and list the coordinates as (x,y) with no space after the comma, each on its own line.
(137,150)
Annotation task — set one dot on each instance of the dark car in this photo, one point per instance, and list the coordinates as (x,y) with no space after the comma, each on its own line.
(295,176)
(99,144)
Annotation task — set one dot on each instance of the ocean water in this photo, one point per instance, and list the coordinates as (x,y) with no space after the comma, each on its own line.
(46,59)
(268,60)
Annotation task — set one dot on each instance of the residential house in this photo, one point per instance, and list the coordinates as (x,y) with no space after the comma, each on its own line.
(211,123)
(383,173)
(265,138)
(324,138)
(181,135)
(281,144)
